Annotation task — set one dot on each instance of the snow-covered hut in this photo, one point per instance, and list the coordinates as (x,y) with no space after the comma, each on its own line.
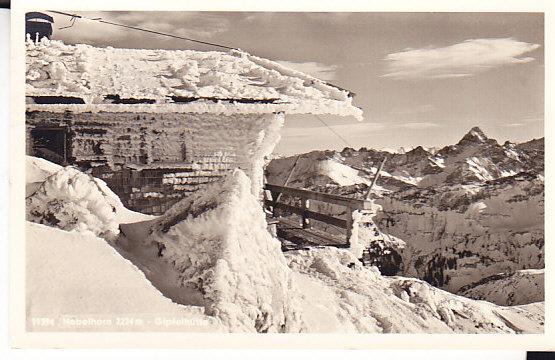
(158,124)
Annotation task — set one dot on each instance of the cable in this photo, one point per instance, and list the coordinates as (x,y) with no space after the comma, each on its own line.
(98,19)
(333,131)
(75,16)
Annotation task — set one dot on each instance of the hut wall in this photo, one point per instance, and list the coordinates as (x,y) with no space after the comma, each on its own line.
(153,160)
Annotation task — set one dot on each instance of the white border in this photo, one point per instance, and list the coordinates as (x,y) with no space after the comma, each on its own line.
(20,338)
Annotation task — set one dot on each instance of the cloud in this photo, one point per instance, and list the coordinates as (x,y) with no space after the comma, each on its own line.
(416,125)
(200,24)
(464,59)
(318,70)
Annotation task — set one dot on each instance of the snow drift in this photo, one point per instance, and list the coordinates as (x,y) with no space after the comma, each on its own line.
(73,278)
(218,244)
(73,201)
(215,242)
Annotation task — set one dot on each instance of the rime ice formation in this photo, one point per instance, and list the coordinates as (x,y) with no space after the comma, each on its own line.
(466,212)
(201,82)
(212,253)
(157,125)
(217,242)
(217,245)
(169,155)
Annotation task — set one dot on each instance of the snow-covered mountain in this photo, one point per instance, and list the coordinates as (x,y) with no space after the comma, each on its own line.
(466,211)
(213,257)
(519,287)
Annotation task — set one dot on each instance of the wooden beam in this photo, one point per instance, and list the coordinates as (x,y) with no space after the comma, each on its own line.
(306,213)
(341,223)
(302,238)
(314,195)
(349,224)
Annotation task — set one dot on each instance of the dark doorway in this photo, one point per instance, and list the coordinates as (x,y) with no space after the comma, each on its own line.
(50,144)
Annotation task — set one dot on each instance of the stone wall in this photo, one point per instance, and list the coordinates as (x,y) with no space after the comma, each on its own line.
(152,160)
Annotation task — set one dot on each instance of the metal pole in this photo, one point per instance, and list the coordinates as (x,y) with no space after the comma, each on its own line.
(376,176)
(289,175)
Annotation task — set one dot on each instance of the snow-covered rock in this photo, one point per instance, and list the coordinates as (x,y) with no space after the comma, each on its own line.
(371,245)
(45,184)
(73,201)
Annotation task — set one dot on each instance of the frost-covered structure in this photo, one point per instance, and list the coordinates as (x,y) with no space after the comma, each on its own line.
(159,124)
(217,241)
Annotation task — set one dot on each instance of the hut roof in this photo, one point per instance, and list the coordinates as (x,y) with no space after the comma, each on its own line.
(85,78)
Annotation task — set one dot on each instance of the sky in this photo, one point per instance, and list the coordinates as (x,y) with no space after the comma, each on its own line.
(421,78)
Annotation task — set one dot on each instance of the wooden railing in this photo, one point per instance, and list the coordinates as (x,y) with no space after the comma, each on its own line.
(304,210)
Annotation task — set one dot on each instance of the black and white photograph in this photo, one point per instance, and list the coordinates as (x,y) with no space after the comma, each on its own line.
(283,172)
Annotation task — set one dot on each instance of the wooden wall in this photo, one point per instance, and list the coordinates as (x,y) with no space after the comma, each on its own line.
(153,160)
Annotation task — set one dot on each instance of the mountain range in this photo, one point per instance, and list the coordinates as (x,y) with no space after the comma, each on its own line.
(467,212)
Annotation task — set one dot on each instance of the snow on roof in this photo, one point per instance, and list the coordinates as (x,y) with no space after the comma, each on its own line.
(139,80)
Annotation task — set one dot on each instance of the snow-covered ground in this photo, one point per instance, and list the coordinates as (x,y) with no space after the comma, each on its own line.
(340,295)
(212,254)
(76,278)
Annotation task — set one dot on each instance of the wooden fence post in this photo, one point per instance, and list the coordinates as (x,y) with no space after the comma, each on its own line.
(275,196)
(349,218)
(306,220)
(376,176)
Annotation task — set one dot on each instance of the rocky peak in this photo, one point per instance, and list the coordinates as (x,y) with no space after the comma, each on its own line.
(475,135)
(534,144)
(418,152)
